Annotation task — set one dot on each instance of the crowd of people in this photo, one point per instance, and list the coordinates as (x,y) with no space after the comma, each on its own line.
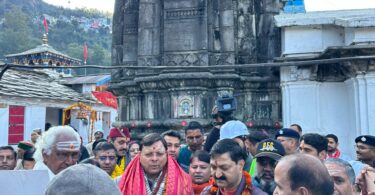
(231,160)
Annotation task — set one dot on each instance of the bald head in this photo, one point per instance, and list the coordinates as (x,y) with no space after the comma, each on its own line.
(303,173)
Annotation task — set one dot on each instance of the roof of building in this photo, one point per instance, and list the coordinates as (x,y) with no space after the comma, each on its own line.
(94,79)
(38,84)
(44,48)
(344,18)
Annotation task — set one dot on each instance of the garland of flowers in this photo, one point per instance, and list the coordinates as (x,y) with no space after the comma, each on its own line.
(119,170)
(246,191)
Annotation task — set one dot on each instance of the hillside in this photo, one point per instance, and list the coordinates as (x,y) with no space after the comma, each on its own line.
(21,24)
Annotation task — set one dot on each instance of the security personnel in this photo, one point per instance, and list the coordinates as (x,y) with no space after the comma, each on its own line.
(289,138)
(365,149)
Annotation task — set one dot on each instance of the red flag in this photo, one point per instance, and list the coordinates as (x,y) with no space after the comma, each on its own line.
(46,25)
(85,53)
(107,98)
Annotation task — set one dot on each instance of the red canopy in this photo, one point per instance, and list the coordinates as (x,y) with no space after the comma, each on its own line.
(107,98)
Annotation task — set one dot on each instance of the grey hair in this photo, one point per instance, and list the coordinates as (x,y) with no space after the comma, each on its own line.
(348,168)
(46,142)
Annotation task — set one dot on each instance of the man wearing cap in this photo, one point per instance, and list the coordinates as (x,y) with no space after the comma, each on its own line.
(252,143)
(98,135)
(57,149)
(237,131)
(22,147)
(120,139)
(365,149)
(289,138)
(269,152)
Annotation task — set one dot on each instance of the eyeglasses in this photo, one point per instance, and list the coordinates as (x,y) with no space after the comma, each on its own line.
(63,156)
(134,150)
(104,158)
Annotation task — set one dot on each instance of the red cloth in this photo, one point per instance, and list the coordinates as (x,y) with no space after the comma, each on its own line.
(45,25)
(115,132)
(198,188)
(336,154)
(85,53)
(107,98)
(132,181)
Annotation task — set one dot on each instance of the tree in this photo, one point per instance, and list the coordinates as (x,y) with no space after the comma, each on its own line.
(16,34)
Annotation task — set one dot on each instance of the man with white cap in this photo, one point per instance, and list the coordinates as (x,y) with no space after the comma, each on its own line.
(57,150)
(237,131)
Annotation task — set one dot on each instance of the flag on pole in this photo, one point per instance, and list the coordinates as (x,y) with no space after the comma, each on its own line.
(46,25)
(85,53)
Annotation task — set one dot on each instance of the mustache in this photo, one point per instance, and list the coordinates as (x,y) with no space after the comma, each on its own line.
(220,178)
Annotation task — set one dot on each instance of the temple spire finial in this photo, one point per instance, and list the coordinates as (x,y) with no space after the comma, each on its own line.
(45,39)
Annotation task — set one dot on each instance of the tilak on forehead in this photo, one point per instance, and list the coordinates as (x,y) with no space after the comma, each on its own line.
(68,145)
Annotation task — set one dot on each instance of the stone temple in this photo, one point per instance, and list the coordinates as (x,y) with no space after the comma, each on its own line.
(161,38)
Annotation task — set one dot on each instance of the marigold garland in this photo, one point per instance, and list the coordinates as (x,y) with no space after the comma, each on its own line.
(248,185)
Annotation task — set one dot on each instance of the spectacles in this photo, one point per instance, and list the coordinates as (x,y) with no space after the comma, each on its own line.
(63,156)
(134,150)
(104,158)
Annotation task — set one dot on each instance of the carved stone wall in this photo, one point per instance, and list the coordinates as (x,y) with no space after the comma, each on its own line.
(194,33)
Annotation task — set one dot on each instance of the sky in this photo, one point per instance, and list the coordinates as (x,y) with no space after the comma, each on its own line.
(311,5)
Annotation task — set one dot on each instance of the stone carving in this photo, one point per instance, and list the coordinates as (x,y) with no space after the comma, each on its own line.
(222,58)
(185,59)
(148,61)
(184,13)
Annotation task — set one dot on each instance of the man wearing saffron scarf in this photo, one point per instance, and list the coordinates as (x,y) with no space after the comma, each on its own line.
(227,161)
(120,138)
(153,172)
(333,150)
(200,170)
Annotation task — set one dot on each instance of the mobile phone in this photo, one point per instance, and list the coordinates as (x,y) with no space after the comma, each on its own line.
(370,180)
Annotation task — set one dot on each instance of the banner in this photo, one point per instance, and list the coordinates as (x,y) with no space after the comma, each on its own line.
(107,98)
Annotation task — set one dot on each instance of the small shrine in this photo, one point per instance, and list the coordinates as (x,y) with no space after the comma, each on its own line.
(43,55)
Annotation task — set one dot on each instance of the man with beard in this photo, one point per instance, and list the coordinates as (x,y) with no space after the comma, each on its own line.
(333,150)
(200,170)
(153,171)
(365,149)
(105,154)
(120,138)
(7,158)
(342,175)
(269,152)
(227,161)
(194,139)
(289,138)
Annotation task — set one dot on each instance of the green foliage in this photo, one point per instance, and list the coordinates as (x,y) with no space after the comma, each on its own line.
(23,28)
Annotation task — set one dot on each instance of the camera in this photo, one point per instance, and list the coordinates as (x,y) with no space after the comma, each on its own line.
(226,104)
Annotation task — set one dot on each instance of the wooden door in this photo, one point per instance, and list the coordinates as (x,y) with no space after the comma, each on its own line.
(16,124)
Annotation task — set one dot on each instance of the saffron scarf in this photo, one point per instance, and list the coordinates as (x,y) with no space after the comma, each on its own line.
(133,182)
(336,154)
(198,188)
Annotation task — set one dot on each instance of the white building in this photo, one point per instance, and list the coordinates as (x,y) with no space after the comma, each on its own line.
(29,99)
(330,96)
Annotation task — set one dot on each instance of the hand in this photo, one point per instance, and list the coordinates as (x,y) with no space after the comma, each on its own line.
(361,181)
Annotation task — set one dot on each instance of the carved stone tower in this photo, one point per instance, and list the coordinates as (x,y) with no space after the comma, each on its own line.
(196,34)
